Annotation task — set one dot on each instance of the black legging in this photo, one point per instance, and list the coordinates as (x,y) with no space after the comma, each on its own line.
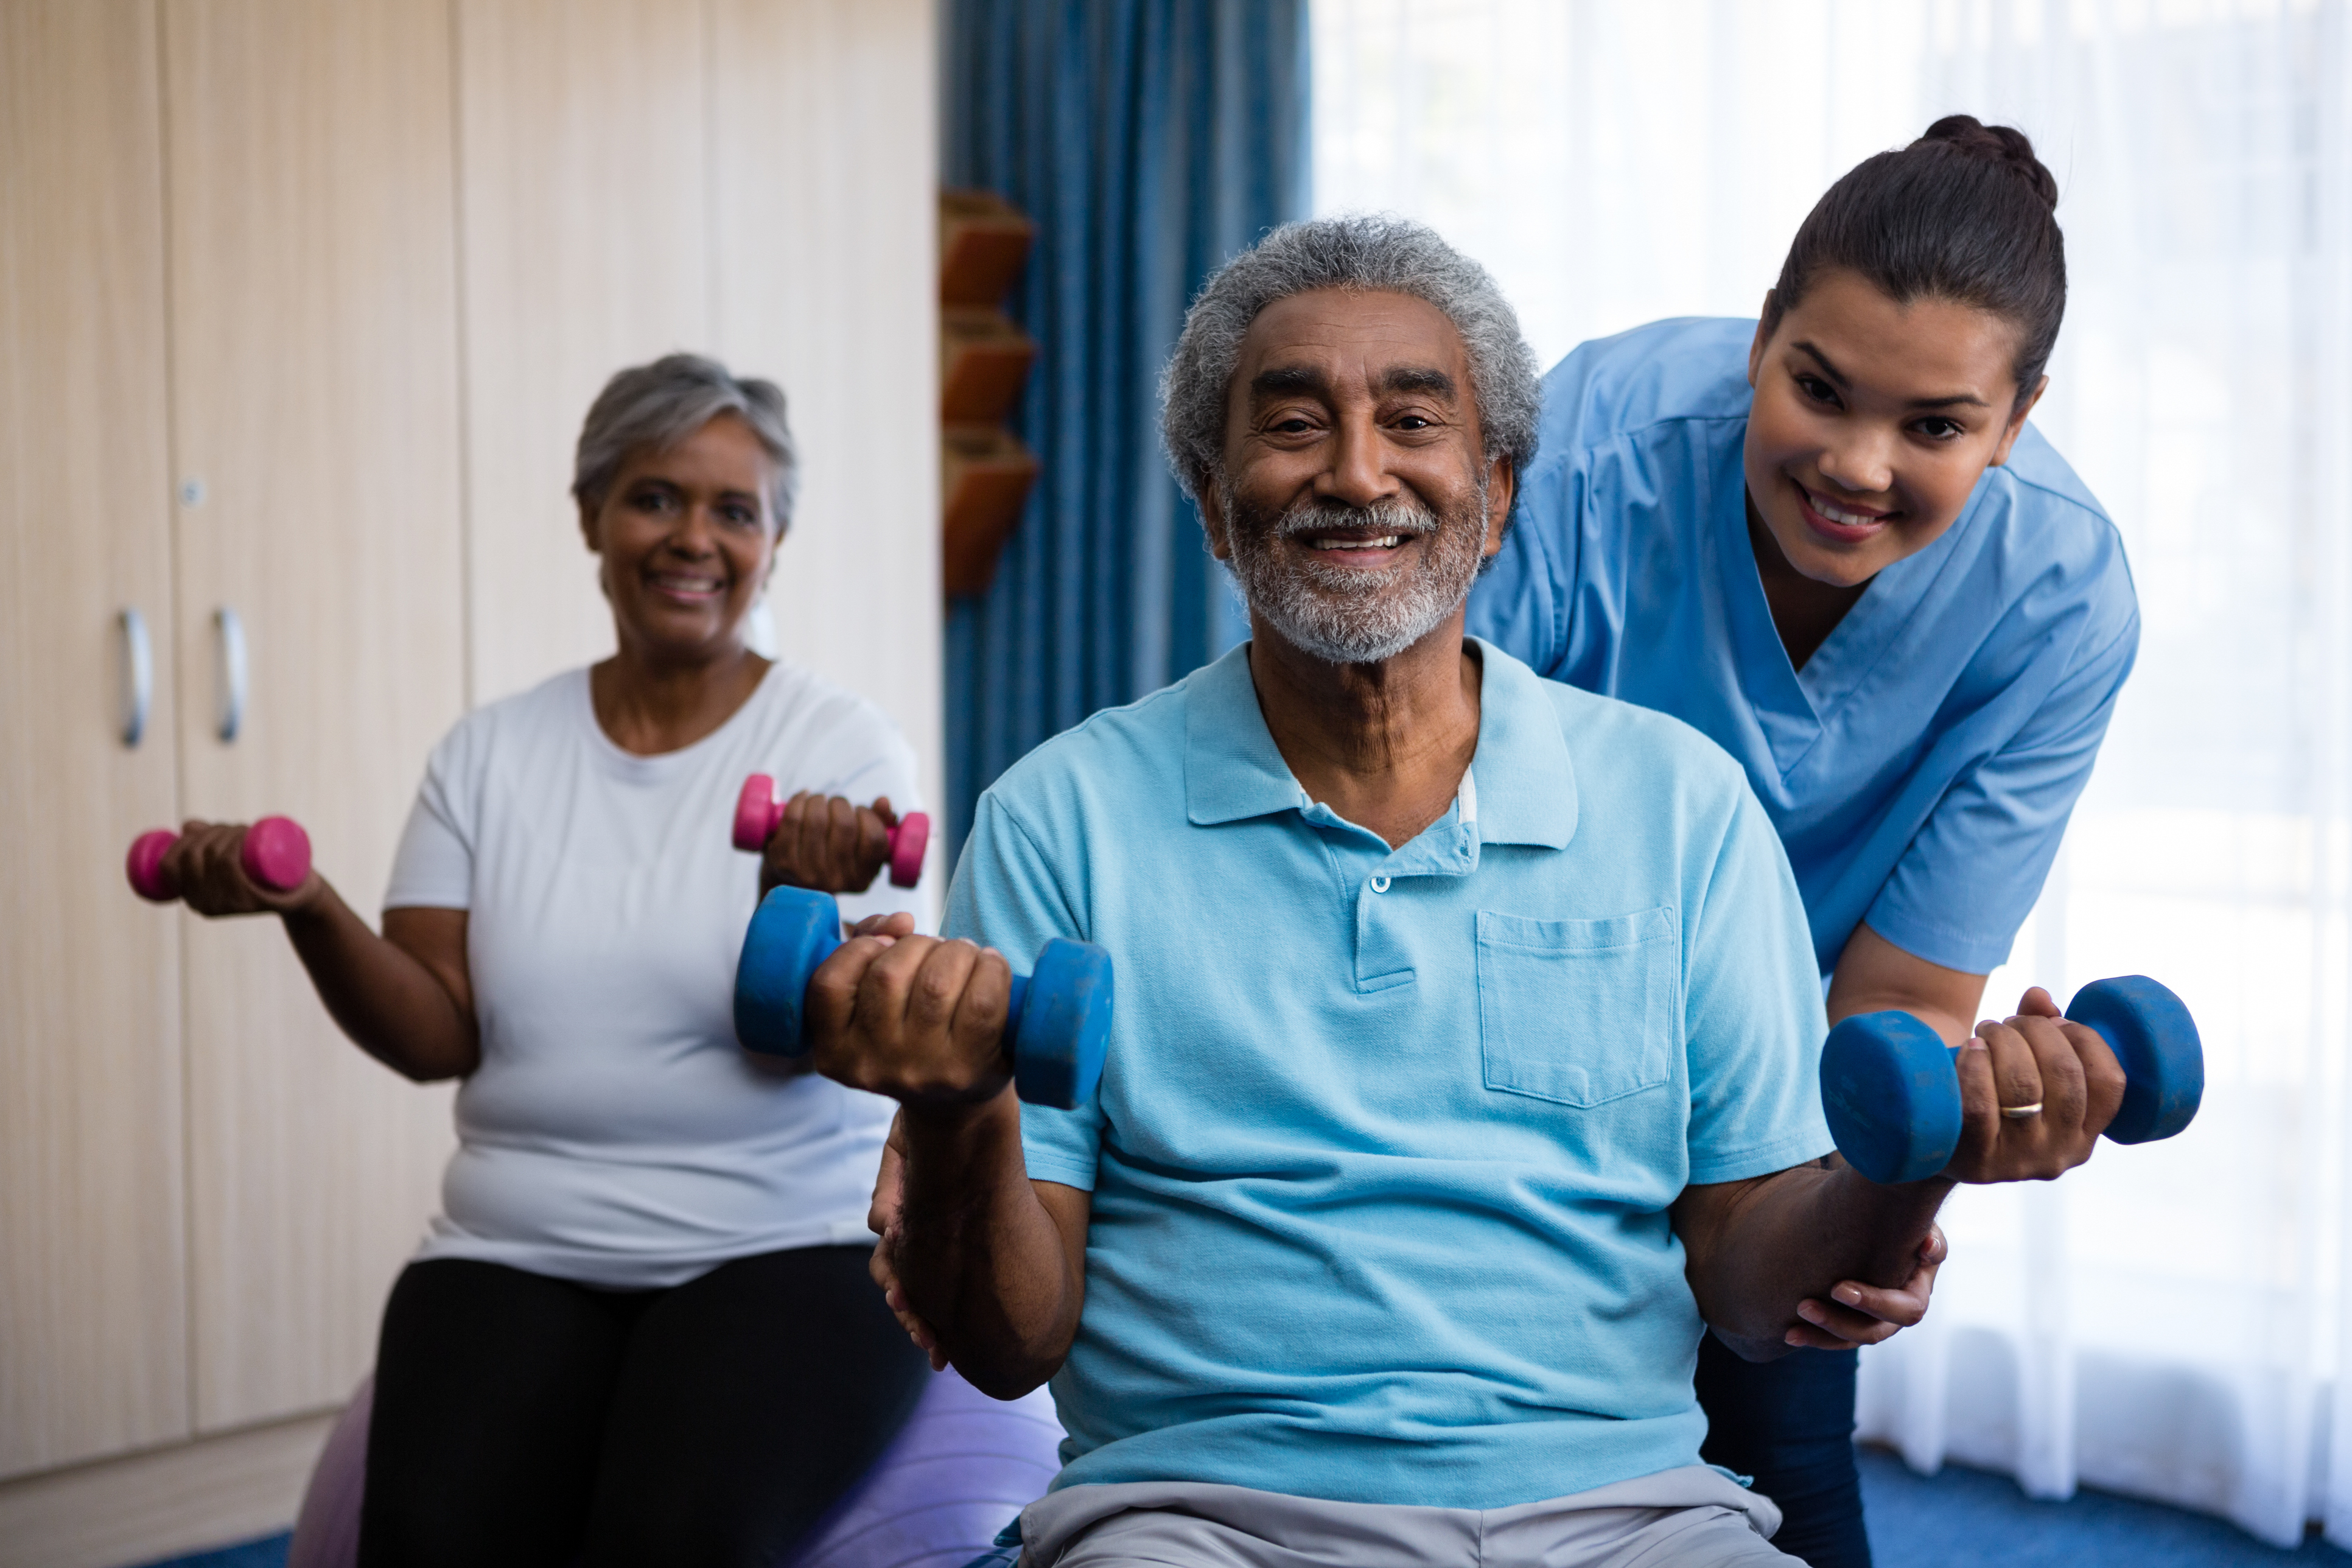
(1789,1424)
(520,1419)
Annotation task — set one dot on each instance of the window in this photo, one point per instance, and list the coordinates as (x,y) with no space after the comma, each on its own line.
(2165,1322)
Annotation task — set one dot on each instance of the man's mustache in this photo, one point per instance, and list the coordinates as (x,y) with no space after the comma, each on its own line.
(1380,517)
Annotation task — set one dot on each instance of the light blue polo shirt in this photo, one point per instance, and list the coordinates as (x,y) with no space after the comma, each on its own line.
(1921,767)
(1386,1139)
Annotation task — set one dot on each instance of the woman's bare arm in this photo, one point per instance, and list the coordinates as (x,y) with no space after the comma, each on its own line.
(405,998)
(1873,975)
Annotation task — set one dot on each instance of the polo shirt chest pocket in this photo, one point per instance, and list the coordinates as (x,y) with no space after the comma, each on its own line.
(1579,1012)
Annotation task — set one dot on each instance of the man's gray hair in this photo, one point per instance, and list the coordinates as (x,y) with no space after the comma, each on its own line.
(1369,252)
(660,404)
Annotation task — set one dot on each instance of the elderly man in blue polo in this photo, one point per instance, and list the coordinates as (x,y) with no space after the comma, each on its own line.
(1463,1070)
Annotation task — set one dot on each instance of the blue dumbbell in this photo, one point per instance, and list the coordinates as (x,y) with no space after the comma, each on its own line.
(1055,1030)
(1892,1090)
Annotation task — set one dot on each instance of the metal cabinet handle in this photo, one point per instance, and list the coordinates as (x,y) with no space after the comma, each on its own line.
(232,674)
(138,676)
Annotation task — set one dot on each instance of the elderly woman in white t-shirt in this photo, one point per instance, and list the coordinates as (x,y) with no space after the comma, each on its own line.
(641,1329)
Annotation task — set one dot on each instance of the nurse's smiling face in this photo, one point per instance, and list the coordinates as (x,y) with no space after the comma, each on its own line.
(1872,422)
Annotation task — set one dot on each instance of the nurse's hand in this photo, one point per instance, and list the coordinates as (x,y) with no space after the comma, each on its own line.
(2035,1093)
(1859,1314)
(914,1017)
(886,1219)
(827,845)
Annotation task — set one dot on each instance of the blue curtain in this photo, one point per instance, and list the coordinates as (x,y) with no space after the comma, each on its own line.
(1148,140)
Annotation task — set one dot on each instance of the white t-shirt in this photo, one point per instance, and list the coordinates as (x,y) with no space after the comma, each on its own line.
(615,1132)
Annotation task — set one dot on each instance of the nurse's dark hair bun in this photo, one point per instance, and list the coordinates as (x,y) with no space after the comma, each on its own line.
(1967,212)
(2004,144)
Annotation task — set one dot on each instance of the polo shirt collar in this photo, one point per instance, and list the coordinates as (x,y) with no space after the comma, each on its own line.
(1525,783)
(1233,770)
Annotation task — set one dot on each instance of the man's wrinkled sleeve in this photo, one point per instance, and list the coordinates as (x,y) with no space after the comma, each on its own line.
(1006,895)
(1752,1011)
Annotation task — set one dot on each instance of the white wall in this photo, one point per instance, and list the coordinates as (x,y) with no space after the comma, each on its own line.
(754,179)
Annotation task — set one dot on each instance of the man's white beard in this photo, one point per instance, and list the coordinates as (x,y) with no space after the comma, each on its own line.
(1347,615)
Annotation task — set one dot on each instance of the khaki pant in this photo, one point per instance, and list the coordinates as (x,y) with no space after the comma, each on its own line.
(1692,1517)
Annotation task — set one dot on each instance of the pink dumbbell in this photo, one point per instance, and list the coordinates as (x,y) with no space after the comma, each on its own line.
(276,853)
(757,812)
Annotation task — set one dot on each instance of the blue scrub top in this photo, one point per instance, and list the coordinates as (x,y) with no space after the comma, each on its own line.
(1388,1140)
(1921,767)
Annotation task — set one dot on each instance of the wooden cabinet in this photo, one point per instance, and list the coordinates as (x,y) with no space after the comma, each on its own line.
(301,307)
(314,382)
(93,1255)
(824,246)
(755,180)
(227,367)
(584,120)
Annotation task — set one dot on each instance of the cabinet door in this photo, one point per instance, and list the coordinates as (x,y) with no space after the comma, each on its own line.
(314,399)
(93,1342)
(825,269)
(587,249)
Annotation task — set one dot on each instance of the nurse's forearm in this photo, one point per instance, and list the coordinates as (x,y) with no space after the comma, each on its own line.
(993,1262)
(386,991)
(1873,975)
(1758,1249)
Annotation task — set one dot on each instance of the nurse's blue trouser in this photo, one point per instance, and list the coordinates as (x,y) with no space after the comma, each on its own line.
(1789,1424)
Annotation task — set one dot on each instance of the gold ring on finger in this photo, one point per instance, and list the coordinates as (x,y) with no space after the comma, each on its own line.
(2021,1112)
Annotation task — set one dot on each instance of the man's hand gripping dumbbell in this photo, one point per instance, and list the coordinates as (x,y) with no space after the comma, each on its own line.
(965,1024)
(943,1028)
(404,999)
(1048,1030)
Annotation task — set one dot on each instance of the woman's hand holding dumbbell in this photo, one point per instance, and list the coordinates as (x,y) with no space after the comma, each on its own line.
(827,844)
(226,867)
(2022,1099)
(2034,1058)
(405,998)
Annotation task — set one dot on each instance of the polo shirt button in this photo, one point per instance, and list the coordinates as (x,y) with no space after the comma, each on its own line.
(1380,884)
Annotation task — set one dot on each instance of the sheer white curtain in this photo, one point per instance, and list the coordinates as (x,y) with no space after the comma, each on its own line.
(2168,1321)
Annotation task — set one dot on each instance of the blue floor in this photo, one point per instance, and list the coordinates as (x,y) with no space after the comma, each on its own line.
(1960,1519)
(268,1552)
(1966,1519)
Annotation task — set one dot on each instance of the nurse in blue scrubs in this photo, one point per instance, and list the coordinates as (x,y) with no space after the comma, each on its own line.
(1830,540)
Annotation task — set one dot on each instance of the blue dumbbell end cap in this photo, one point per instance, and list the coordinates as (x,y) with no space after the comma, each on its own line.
(1891,1096)
(792,932)
(2156,1040)
(1064,1025)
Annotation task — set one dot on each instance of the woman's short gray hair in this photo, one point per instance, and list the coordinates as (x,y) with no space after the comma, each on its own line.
(1369,252)
(660,404)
